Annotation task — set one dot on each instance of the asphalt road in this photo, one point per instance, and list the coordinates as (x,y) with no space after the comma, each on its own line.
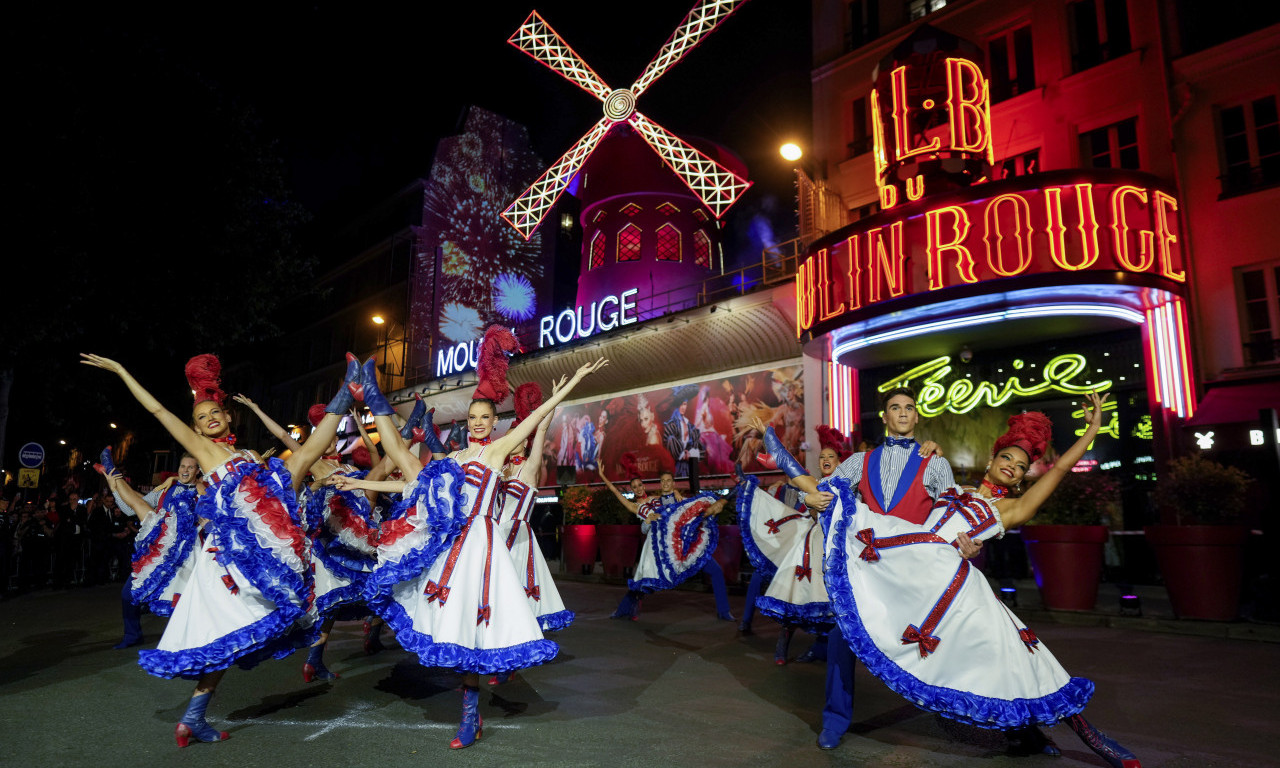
(676,688)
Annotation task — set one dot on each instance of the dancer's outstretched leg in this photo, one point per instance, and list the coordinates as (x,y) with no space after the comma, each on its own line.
(749,610)
(1103,745)
(469,729)
(315,669)
(784,644)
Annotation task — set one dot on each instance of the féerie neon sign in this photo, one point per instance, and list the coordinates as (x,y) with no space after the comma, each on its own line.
(934,396)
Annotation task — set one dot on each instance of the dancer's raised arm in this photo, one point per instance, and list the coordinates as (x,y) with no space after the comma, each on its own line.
(197,445)
(279,432)
(630,505)
(504,445)
(1015,512)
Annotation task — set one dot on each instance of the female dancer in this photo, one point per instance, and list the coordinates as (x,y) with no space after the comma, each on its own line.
(929,626)
(645,507)
(252,582)
(521,489)
(467,610)
(167,534)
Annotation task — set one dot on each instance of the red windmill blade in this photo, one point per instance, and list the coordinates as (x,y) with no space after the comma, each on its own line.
(716,186)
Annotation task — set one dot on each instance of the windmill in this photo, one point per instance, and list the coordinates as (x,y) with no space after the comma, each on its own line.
(716,186)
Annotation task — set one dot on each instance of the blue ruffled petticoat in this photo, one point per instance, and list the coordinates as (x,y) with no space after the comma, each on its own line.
(250,589)
(682,542)
(162,549)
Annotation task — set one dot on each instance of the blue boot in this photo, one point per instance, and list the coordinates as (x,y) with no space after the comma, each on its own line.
(315,669)
(108,464)
(430,437)
(193,725)
(345,397)
(783,646)
(628,607)
(1103,745)
(781,456)
(470,728)
(414,422)
(369,392)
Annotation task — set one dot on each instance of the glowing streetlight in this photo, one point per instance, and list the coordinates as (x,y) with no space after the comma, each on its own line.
(378,319)
(790,152)
(113,425)
(62,442)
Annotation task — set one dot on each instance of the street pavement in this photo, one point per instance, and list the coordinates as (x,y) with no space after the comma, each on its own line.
(676,688)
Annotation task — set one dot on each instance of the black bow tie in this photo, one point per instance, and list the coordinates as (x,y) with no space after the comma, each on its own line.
(899,442)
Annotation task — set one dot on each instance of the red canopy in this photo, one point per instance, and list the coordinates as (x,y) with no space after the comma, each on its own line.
(1232,403)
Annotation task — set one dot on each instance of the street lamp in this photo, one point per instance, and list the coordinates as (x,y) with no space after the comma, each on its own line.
(378,319)
(388,328)
(791,152)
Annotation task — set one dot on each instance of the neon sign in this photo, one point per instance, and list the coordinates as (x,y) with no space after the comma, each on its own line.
(570,323)
(963,395)
(1112,427)
(1029,228)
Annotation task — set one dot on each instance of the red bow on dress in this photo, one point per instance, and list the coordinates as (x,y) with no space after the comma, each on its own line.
(436,591)
(928,643)
(868,537)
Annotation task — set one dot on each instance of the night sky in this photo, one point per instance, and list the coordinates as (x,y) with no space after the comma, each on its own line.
(138,136)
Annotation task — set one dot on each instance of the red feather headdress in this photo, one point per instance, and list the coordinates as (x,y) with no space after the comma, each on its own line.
(204,374)
(829,437)
(315,414)
(492,367)
(1030,431)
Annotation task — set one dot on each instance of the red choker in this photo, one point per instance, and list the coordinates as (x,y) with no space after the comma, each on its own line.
(517,460)
(335,457)
(480,440)
(229,439)
(997,491)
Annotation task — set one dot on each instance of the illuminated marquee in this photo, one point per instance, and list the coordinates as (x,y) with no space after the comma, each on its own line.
(935,396)
(604,315)
(1025,226)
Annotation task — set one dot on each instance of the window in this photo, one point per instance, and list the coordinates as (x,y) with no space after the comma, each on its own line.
(629,242)
(1024,164)
(667,209)
(600,216)
(597,250)
(631,209)
(1012,66)
(701,249)
(1257,289)
(864,23)
(1099,32)
(1250,146)
(668,243)
(859,128)
(699,215)
(918,9)
(1112,146)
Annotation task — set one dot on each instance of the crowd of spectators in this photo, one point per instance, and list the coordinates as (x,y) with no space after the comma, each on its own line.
(63,540)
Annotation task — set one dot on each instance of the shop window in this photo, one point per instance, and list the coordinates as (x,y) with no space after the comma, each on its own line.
(668,243)
(864,23)
(1258,292)
(629,243)
(600,216)
(667,209)
(859,128)
(1099,32)
(701,249)
(1024,164)
(631,209)
(1111,146)
(918,9)
(1012,64)
(598,244)
(1250,146)
(699,215)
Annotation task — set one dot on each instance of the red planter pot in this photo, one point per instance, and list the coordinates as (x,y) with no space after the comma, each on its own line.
(1067,560)
(579,548)
(729,552)
(619,546)
(1202,568)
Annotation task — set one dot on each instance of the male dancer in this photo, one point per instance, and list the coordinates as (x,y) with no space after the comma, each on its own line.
(893,479)
(188,476)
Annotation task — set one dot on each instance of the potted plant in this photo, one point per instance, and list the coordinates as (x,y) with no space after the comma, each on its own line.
(729,548)
(578,549)
(1065,540)
(618,532)
(1200,553)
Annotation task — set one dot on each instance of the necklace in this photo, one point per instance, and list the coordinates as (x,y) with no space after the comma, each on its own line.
(229,439)
(481,440)
(997,491)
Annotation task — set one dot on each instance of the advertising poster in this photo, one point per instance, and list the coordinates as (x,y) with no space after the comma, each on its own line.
(655,430)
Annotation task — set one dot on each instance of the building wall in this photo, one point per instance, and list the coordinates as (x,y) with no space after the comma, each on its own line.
(1225,230)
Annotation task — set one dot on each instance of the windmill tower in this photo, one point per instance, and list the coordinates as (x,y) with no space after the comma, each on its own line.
(648,221)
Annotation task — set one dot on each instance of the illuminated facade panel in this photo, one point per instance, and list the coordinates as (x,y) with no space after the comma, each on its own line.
(667,209)
(598,245)
(668,243)
(630,210)
(701,249)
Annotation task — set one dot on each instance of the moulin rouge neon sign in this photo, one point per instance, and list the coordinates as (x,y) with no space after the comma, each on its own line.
(935,396)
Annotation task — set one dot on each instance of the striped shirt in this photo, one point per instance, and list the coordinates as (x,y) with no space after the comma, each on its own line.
(937,474)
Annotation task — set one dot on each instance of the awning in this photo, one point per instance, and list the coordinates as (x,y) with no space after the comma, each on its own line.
(1233,403)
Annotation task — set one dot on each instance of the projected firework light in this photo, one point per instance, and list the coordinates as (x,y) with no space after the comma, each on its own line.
(716,186)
